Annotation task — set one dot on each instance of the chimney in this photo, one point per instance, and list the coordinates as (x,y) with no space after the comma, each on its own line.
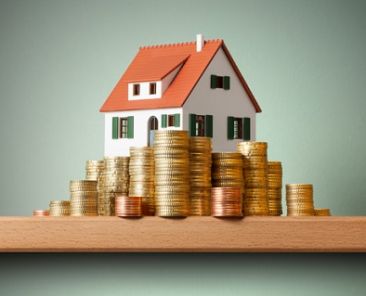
(200,42)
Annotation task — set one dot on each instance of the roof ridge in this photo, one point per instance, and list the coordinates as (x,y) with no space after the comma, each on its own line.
(177,44)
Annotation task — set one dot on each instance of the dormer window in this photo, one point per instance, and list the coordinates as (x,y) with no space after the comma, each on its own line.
(153,88)
(136,89)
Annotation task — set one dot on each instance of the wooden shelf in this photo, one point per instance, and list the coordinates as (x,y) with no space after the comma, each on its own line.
(193,234)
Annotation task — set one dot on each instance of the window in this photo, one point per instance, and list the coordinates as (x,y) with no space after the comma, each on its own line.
(153,88)
(168,120)
(136,89)
(171,120)
(220,82)
(200,125)
(238,128)
(123,127)
(123,130)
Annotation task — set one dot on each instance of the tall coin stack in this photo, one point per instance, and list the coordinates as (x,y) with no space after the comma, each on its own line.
(116,182)
(200,176)
(227,170)
(255,201)
(274,189)
(94,170)
(59,208)
(171,153)
(84,198)
(142,177)
(299,198)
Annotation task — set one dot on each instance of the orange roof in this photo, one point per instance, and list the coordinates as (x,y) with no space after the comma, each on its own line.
(155,62)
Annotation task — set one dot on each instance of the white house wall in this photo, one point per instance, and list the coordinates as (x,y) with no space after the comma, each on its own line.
(220,103)
(120,147)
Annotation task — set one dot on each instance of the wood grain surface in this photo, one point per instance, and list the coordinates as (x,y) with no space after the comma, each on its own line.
(192,234)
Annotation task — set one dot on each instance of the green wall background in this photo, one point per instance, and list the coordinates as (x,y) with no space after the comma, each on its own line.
(304,61)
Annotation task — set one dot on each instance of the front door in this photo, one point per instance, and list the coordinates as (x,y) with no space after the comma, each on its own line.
(153,125)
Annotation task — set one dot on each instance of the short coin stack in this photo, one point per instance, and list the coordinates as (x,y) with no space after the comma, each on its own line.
(59,208)
(227,170)
(274,189)
(226,202)
(116,182)
(255,175)
(322,212)
(84,198)
(128,206)
(41,213)
(299,198)
(142,177)
(93,169)
(171,153)
(200,176)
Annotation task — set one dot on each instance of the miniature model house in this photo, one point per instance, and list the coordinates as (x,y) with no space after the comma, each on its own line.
(193,86)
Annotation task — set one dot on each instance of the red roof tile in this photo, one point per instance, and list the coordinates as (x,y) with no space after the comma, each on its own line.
(154,62)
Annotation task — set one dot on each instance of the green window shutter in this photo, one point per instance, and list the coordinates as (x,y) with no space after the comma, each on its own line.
(177,120)
(164,120)
(130,127)
(226,82)
(246,129)
(192,125)
(115,121)
(213,81)
(208,126)
(230,127)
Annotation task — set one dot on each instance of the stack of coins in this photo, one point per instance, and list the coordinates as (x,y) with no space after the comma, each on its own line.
(142,177)
(322,212)
(84,198)
(93,169)
(255,201)
(200,176)
(41,213)
(227,170)
(274,188)
(226,202)
(171,153)
(128,206)
(299,199)
(59,208)
(116,182)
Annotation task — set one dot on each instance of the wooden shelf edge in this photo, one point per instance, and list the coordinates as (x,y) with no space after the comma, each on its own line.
(192,234)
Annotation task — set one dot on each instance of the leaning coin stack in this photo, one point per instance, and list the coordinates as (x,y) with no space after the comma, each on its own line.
(142,177)
(84,198)
(274,188)
(128,206)
(171,153)
(59,208)
(226,202)
(322,212)
(255,201)
(200,176)
(227,170)
(93,169)
(299,198)
(116,182)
